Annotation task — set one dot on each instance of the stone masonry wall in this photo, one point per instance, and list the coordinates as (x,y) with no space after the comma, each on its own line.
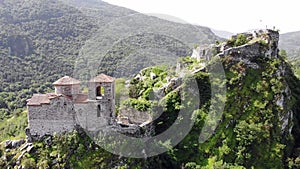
(107,93)
(87,116)
(108,100)
(57,117)
(67,90)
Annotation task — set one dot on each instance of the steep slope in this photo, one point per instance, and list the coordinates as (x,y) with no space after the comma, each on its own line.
(152,49)
(259,127)
(296,66)
(42,41)
(290,42)
(39,42)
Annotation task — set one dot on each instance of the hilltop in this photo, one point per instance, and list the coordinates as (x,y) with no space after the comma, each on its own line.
(258,128)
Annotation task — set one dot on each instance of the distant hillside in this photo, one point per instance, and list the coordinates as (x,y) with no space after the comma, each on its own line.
(120,60)
(291,43)
(223,34)
(39,42)
(42,41)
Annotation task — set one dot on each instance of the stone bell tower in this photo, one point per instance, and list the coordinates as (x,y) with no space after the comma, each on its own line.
(102,94)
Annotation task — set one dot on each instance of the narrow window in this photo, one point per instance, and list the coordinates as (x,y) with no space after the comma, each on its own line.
(98,111)
(98,91)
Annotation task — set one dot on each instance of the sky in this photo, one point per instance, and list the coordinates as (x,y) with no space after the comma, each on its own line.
(227,15)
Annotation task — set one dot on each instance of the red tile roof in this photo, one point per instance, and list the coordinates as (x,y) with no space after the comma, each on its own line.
(66,80)
(103,78)
(39,99)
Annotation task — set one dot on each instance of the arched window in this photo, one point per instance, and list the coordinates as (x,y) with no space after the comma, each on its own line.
(98,110)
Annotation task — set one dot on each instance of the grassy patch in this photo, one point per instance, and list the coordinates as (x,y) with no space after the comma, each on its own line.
(14,127)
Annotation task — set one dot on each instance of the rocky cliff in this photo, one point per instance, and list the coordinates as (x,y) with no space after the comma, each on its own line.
(258,128)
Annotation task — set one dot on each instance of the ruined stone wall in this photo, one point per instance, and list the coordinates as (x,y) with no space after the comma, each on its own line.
(57,117)
(203,52)
(265,43)
(245,51)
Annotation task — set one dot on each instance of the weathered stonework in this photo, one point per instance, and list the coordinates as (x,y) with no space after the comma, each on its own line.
(134,116)
(57,116)
(67,108)
(261,42)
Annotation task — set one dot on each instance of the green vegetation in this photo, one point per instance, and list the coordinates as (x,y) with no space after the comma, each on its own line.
(290,42)
(249,135)
(239,40)
(232,142)
(77,150)
(14,127)
(43,41)
(296,67)
(119,60)
(40,42)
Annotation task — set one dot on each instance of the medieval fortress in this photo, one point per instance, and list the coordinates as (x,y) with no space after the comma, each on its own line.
(68,107)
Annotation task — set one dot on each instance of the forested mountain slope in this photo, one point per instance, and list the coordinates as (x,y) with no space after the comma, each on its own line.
(41,41)
(291,43)
(258,126)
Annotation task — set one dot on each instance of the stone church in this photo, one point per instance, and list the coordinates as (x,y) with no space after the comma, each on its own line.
(68,107)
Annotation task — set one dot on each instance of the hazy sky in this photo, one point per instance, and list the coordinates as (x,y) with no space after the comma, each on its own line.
(229,15)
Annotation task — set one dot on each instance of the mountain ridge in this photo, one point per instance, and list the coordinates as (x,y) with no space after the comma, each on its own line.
(290,42)
(42,41)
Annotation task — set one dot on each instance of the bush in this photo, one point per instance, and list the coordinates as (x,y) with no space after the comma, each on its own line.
(241,39)
(28,163)
(141,105)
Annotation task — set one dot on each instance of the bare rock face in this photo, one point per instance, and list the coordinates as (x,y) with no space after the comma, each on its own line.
(13,144)
(17,143)
(248,48)
(133,116)
(8,143)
